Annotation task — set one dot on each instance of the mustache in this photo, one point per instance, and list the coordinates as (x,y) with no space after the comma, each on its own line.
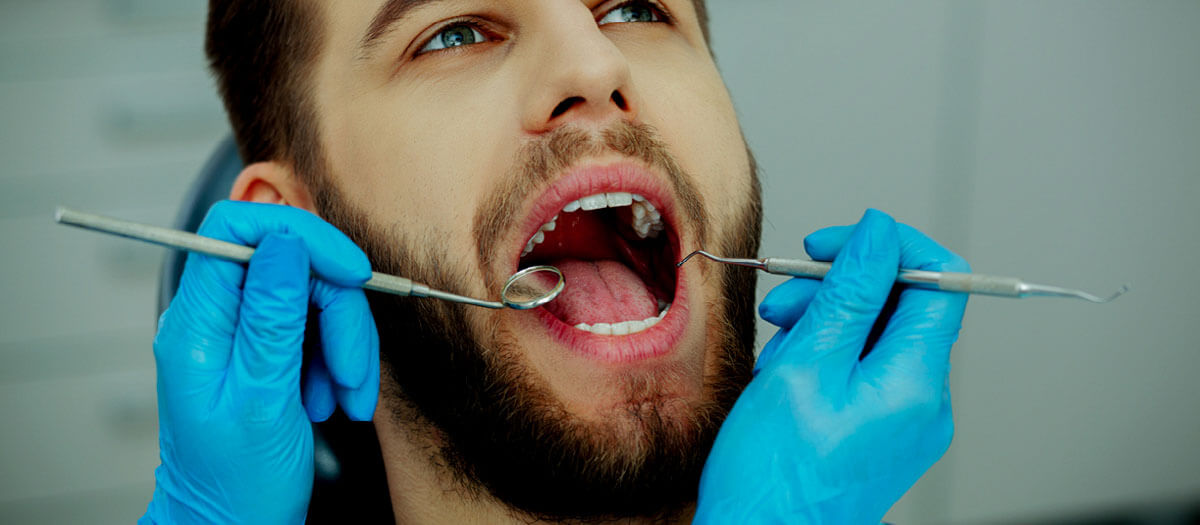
(543,159)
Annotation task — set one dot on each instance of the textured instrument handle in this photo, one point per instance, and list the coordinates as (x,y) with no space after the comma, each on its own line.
(382,282)
(980,283)
(796,267)
(947,281)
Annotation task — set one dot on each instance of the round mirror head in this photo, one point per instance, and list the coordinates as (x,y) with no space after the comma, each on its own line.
(532,287)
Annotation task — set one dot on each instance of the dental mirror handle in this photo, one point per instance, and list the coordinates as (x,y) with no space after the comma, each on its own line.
(187,241)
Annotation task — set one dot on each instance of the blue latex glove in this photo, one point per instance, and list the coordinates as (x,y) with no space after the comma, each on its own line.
(820,435)
(235,440)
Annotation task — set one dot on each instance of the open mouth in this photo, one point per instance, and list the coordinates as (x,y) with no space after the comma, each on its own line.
(616,251)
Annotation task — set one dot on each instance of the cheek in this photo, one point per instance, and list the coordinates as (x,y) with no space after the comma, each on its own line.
(421,169)
(697,120)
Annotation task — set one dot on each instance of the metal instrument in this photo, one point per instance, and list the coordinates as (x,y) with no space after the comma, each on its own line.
(527,289)
(947,281)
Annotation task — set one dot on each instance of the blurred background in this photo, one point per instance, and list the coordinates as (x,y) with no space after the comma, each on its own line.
(1055,141)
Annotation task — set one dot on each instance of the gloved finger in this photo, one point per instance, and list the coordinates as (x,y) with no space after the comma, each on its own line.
(194,333)
(265,365)
(317,391)
(348,336)
(771,349)
(204,312)
(825,243)
(359,403)
(919,252)
(334,257)
(785,303)
(916,247)
(837,323)
(919,335)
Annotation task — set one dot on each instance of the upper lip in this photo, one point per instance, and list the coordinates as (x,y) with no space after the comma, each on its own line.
(590,178)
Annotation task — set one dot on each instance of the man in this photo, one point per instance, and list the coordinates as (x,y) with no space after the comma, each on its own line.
(456,141)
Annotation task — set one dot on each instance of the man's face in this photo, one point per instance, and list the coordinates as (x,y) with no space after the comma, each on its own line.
(466,139)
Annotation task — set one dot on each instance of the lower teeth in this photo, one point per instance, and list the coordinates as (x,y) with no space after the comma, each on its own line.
(624,327)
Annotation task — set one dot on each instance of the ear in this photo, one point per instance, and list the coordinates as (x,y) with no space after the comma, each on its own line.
(271,182)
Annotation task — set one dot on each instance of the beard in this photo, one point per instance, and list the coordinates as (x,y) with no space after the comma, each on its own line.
(490,421)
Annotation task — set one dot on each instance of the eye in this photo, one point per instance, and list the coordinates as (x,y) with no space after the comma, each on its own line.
(635,11)
(454,35)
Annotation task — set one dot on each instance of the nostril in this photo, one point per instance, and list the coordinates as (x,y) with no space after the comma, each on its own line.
(565,105)
(619,100)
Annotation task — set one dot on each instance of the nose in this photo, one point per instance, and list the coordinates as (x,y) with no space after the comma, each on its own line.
(581,76)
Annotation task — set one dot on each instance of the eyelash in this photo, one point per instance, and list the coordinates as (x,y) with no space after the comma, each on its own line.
(460,22)
(664,17)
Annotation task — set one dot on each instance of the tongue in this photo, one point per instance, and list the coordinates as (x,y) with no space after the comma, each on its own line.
(604,291)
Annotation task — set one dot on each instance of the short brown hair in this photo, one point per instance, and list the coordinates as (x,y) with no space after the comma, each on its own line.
(261,52)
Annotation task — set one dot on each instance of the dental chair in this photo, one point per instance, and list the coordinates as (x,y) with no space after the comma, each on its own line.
(349,483)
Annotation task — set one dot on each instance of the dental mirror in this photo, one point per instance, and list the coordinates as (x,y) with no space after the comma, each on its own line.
(532,287)
(527,289)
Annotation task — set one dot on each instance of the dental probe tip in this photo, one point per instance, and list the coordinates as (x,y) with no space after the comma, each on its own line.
(1055,291)
(1097,299)
(695,253)
(1124,288)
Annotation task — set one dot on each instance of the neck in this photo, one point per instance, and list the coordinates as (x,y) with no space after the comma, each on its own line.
(423,488)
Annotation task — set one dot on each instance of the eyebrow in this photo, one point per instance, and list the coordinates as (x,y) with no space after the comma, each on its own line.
(388,15)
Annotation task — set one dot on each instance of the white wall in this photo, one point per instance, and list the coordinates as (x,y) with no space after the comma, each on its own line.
(104,105)
(1056,141)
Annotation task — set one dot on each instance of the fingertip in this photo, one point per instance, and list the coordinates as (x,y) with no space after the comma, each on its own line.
(370,395)
(348,334)
(318,392)
(770,313)
(360,265)
(359,403)
(349,267)
(785,303)
(874,242)
(824,244)
(921,252)
(876,214)
(881,229)
(335,256)
(343,263)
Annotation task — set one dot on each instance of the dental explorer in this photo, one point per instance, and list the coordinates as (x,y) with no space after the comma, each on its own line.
(946,281)
(529,288)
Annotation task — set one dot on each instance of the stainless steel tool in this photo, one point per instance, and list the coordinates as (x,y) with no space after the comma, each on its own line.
(947,281)
(529,288)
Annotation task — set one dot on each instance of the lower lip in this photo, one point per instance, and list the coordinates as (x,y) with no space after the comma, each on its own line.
(656,341)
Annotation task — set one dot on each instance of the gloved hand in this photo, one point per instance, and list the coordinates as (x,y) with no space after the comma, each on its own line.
(235,441)
(821,435)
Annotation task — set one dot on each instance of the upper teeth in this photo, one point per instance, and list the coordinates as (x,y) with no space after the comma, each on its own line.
(647,221)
